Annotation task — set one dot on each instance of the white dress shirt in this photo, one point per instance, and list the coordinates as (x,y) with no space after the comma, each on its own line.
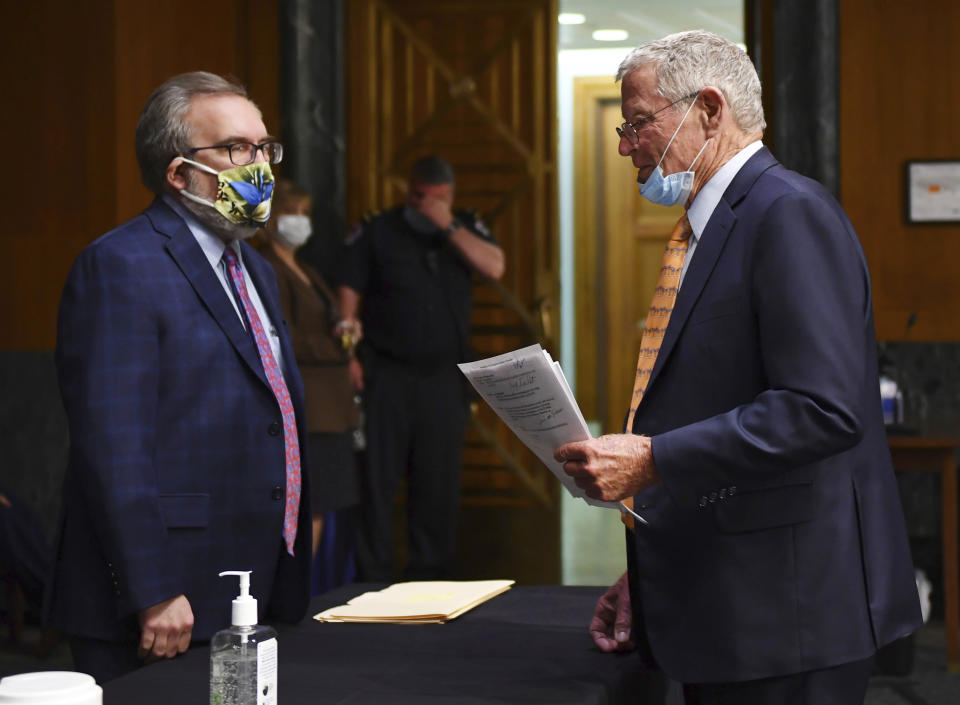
(709,196)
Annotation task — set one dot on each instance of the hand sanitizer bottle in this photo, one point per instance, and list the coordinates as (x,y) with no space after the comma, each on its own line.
(243,658)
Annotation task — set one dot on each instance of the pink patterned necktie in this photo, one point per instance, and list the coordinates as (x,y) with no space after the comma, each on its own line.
(279,387)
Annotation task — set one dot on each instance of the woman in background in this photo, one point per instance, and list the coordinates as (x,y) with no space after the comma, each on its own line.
(323,349)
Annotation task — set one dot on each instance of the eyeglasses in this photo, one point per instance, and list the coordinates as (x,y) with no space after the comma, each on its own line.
(243,153)
(631,130)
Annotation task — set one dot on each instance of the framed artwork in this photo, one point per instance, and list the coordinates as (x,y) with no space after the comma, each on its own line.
(932,192)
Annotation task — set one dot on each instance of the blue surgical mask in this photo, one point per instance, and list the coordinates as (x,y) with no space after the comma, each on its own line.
(674,188)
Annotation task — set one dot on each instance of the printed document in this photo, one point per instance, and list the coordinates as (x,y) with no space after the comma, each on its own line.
(528,390)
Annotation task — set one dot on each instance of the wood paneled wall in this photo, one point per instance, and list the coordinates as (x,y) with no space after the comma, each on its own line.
(77,77)
(473,81)
(899,68)
(79,73)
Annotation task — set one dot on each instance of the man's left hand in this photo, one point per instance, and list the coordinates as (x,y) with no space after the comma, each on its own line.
(610,467)
(612,623)
(165,629)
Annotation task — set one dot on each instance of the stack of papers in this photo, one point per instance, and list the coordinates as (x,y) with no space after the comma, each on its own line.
(528,390)
(429,602)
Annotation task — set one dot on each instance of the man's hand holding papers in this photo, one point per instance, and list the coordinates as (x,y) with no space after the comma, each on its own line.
(611,467)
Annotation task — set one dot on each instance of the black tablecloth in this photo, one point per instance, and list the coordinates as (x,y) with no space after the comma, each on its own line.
(529,645)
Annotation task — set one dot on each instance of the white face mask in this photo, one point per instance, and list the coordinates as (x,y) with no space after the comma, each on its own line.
(293,230)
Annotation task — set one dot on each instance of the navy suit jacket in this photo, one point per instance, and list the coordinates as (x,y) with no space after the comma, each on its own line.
(776,541)
(177,463)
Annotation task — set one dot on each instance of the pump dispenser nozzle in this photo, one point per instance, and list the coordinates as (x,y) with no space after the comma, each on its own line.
(244,612)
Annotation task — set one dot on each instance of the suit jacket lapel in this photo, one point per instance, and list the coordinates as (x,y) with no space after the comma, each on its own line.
(708,251)
(188,255)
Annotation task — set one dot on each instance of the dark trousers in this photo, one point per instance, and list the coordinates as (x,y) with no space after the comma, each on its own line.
(415,426)
(104,660)
(845,684)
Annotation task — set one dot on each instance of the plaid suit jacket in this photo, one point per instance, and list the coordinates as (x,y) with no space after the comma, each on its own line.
(177,465)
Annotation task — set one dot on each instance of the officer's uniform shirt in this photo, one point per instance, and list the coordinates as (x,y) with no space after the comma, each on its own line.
(416,289)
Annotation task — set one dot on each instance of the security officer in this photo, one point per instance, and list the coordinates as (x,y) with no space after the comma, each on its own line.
(413,267)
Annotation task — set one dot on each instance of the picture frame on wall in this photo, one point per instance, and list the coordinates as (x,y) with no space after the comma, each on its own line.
(932,192)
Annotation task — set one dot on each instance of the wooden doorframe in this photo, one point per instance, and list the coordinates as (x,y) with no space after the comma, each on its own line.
(589,93)
(618,244)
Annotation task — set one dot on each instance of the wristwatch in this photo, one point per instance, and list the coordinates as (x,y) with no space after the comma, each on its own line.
(454,225)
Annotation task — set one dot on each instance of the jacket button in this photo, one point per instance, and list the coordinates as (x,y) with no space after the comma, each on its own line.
(713,496)
(276,493)
(732,491)
(703,502)
(723,493)
(274,428)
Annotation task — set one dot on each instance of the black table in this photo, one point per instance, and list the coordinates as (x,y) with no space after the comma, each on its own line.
(529,645)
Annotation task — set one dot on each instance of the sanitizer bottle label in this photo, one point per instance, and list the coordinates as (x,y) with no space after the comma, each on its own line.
(267,672)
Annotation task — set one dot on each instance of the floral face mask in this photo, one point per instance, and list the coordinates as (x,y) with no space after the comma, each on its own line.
(243,192)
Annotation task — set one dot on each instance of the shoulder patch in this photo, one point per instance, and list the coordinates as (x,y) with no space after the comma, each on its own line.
(474,222)
(481,227)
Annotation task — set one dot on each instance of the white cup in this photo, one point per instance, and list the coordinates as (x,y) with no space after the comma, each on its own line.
(50,688)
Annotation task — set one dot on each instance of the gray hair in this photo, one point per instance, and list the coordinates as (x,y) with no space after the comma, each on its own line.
(688,61)
(161,132)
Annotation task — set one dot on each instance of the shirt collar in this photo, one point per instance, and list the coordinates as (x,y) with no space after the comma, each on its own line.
(211,245)
(709,196)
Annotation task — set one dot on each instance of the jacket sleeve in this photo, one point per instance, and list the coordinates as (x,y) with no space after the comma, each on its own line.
(108,368)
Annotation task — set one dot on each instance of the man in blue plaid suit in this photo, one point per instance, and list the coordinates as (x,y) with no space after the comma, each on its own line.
(178,467)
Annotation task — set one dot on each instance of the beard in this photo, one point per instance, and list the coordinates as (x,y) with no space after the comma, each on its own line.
(210,217)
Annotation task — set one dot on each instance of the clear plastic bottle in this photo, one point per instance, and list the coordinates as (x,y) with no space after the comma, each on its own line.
(243,658)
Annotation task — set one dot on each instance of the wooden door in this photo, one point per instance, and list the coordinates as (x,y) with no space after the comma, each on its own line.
(618,239)
(473,81)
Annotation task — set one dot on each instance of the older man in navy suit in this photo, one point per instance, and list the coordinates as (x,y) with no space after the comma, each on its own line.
(184,401)
(772,560)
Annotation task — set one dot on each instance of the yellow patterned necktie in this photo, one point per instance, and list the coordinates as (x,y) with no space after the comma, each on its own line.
(664,296)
